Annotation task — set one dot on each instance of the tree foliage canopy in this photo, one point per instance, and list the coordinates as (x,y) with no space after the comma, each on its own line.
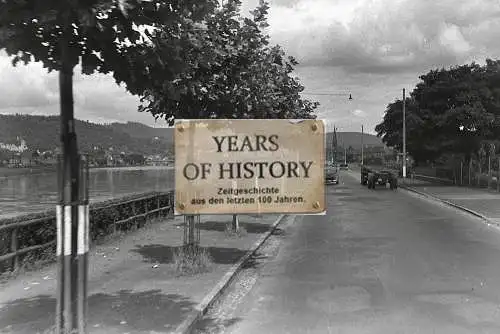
(101,35)
(450,111)
(230,71)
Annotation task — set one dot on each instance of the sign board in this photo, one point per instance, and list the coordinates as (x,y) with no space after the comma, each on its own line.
(249,166)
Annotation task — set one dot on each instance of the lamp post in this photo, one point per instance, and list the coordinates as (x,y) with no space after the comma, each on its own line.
(331,94)
(362,145)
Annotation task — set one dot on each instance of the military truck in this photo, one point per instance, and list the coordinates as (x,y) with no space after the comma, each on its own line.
(373,176)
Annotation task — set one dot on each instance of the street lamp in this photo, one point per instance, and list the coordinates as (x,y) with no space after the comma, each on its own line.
(362,145)
(330,94)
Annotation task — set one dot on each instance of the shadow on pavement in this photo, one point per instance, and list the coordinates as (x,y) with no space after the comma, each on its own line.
(426,185)
(254,228)
(278,232)
(164,254)
(254,261)
(126,310)
(360,199)
(209,325)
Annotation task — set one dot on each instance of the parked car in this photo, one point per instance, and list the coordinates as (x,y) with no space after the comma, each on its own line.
(344,166)
(331,174)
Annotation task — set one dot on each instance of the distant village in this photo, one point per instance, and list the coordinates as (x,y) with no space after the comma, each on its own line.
(19,155)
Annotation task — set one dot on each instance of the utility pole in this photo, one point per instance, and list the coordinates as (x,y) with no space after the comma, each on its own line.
(404,134)
(345,156)
(334,144)
(362,146)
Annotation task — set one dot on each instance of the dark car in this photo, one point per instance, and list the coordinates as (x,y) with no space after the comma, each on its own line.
(331,174)
(344,166)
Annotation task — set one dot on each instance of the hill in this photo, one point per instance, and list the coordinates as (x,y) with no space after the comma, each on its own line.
(346,139)
(139,130)
(42,132)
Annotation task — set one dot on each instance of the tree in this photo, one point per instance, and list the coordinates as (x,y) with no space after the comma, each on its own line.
(102,36)
(391,130)
(450,112)
(134,159)
(233,73)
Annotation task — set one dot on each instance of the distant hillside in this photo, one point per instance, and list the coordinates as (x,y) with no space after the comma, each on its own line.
(139,130)
(42,132)
(346,139)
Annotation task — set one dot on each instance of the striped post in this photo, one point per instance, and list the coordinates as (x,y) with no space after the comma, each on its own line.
(72,253)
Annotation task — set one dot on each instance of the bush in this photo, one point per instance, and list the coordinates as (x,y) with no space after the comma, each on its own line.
(241,232)
(191,260)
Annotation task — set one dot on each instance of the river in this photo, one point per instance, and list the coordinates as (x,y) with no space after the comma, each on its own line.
(23,194)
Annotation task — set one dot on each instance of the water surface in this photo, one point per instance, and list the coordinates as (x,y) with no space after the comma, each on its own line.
(23,194)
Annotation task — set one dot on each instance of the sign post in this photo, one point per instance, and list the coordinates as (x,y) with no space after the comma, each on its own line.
(250,166)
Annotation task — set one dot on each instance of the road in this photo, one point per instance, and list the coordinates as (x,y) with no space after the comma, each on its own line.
(379,262)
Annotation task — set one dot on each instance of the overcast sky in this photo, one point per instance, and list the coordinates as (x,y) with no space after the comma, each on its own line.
(369,48)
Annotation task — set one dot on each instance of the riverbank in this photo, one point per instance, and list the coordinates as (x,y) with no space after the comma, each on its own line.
(6,172)
(134,168)
(10,172)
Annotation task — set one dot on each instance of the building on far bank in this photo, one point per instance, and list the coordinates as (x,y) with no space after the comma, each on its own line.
(19,147)
(158,160)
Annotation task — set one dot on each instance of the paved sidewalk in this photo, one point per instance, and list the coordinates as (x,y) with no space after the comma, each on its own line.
(132,285)
(483,201)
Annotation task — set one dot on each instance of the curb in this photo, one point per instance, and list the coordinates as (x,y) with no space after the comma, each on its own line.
(456,206)
(188,324)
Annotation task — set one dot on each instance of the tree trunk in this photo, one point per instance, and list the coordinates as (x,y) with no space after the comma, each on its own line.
(235,224)
(71,308)
(480,174)
(190,218)
(191,230)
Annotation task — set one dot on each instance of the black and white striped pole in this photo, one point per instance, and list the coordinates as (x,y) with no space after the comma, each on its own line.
(72,253)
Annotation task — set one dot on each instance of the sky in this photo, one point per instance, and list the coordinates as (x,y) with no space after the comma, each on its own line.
(371,49)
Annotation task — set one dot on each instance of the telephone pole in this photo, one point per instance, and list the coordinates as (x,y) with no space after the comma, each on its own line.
(362,146)
(334,144)
(404,134)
